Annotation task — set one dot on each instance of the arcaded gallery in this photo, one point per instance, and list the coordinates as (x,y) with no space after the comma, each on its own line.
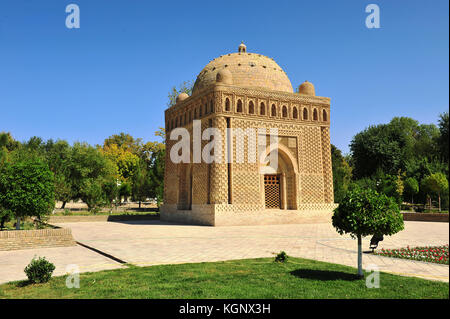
(244,92)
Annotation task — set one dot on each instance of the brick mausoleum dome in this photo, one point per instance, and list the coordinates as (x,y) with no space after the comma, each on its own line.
(307,88)
(245,70)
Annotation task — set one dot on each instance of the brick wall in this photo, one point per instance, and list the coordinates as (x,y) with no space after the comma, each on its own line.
(39,238)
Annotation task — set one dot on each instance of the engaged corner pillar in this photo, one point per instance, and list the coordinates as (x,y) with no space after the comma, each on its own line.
(283,191)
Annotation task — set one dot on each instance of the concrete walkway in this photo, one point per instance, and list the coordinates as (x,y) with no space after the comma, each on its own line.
(154,242)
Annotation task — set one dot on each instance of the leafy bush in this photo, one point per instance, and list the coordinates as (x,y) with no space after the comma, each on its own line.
(282,257)
(365,212)
(39,270)
(406,207)
(66,212)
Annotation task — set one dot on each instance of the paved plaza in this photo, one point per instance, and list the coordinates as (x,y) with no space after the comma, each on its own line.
(154,242)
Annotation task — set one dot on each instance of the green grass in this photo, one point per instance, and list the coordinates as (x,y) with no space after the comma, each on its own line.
(28,224)
(249,278)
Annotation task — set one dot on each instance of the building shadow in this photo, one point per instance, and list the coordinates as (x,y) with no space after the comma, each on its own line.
(323,275)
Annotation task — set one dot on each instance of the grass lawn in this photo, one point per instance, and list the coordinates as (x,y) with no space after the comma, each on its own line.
(249,278)
(126,212)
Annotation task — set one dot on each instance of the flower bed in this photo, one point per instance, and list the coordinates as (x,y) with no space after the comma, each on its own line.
(433,254)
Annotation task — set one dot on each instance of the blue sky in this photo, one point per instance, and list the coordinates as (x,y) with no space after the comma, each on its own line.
(113,74)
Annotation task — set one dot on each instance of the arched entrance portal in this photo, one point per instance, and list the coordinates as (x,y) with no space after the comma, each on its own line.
(280,184)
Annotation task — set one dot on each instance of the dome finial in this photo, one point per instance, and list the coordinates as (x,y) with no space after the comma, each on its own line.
(242,48)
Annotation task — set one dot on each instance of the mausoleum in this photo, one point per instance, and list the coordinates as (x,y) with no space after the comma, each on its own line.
(250,91)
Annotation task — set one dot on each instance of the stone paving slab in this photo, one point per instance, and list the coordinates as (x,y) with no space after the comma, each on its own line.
(154,242)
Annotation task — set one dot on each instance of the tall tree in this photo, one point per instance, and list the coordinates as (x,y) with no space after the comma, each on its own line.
(436,183)
(411,187)
(123,141)
(90,171)
(342,174)
(58,157)
(140,183)
(390,147)
(443,139)
(156,174)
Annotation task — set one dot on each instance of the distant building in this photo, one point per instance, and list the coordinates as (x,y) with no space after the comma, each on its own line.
(248,90)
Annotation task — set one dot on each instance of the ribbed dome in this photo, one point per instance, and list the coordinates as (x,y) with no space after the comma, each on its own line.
(247,70)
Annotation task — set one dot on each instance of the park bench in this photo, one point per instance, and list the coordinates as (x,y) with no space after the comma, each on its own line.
(375,240)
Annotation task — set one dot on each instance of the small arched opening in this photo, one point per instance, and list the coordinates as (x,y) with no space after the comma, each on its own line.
(239,106)
(262,109)
(251,107)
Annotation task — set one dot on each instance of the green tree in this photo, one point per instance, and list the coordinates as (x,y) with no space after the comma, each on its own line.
(411,187)
(7,144)
(156,176)
(342,174)
(124,141)
(364,212)
(5,216)
(90,171)
(111,193)
(3,150)
(435,183)
(185,87)
(443,138)
(389,147)
(125,190)
(27,187)
(140,183)
(58,157)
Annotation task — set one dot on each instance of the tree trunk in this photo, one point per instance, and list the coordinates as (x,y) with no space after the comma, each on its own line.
(139,204)
(439,196)
(360,271)
(18,223)
(63,205)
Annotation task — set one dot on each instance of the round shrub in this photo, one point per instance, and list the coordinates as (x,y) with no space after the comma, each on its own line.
(39,270)
(365,212)
(282,257)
